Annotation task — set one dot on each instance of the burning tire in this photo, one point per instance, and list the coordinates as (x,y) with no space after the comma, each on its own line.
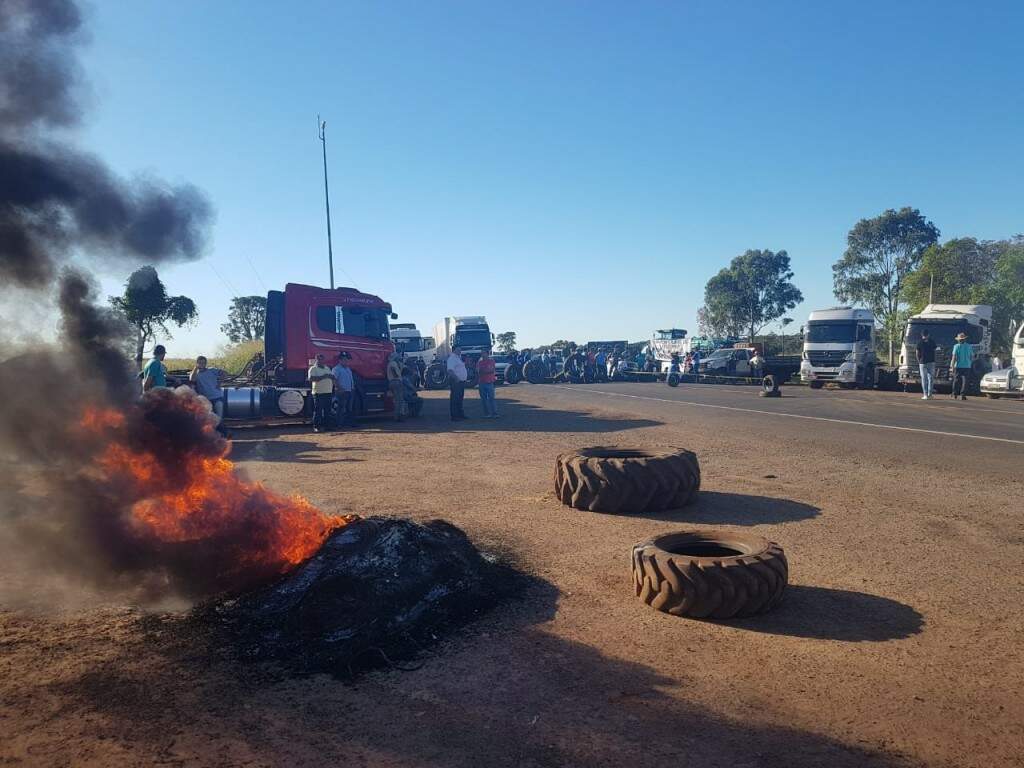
(710,574)
(625,480)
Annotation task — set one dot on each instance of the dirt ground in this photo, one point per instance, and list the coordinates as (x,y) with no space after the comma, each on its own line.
(898,642)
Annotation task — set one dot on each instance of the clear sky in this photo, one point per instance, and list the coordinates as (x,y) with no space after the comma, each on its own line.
(569,169)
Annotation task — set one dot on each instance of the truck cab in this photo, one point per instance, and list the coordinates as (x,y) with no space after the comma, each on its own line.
(304,320)
(944,322)
(411,344)
(839,346)
(471,333)
(1008,382)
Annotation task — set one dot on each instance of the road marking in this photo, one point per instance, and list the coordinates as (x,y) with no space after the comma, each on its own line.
(795,415)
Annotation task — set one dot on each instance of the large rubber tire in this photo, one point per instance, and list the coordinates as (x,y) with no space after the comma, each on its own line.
(710,574)
(626,481)
(672,379)
(816,384)
(513,375)
(535,371)
(437,377)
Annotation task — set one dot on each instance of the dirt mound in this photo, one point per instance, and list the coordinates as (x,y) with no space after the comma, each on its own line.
(378,591)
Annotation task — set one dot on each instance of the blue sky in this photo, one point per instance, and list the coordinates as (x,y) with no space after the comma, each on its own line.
(569,169)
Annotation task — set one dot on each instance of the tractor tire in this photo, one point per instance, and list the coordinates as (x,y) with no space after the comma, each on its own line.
(513,375)
(769,388)
(436,377)
(816,384)
(622,480)
(672,379)
(535,372)
(709,574)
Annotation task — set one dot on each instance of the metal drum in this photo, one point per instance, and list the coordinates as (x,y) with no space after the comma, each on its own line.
(242,403)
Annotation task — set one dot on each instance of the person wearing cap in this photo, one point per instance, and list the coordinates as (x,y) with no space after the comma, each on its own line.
(926,363)
(155,373)
(343,392)
(322,383)
(457,375)
(961,361)
(395,385)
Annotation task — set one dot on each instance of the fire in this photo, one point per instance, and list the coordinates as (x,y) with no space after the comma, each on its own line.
(183,496)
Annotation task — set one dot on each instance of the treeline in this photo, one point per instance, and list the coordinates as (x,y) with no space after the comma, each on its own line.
(892,265)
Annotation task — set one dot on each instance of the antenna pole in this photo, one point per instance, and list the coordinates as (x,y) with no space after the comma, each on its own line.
(322,134)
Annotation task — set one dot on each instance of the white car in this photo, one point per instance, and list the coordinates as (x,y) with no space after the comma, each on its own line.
(1008,382)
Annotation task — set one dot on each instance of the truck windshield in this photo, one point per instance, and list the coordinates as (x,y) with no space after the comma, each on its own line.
(472,337)
(353,321)
(831,332)
(942,332)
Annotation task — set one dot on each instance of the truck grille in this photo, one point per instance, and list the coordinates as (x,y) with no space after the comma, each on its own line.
(826,358)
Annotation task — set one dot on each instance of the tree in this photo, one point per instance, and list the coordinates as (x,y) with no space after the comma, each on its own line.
(880,255)
(147,307)
(507,341)
(753,291)
(247,319)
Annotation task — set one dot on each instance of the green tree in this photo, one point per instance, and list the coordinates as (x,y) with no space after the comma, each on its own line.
(506,341)
(880,255)
(146,306)
(247,319)
(754,290)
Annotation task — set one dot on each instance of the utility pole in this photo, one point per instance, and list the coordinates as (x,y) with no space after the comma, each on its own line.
(931,288)
(322,133)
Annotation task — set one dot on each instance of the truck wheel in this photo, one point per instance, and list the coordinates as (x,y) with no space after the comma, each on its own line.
(534,372)
(608,479)
(710,574)
(815,385)
(437,377)
(672,380)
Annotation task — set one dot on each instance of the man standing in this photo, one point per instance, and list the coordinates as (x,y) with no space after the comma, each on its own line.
(396,386)
(206,381)
(456,383)
(695,364)
(343,389)
(155,373)
(322,381)
(926,363)
(962,358)
(487,377)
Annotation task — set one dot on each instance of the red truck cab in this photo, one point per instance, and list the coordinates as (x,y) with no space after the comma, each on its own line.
(303,321)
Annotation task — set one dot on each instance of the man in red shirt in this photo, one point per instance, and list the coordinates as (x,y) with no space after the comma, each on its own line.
(486,378)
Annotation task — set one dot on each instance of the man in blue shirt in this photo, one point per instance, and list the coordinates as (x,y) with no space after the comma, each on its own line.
(344,389)
(960,365)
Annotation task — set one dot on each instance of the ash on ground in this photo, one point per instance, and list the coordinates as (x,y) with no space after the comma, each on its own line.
(377,592)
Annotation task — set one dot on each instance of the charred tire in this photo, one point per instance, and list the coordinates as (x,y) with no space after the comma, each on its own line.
(709,574)
(626,481)
(672,380)
(535,371)
(437,377)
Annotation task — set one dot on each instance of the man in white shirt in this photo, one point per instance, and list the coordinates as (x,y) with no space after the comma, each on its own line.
(457,375)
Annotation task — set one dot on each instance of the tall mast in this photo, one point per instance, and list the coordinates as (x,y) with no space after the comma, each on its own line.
(322,133)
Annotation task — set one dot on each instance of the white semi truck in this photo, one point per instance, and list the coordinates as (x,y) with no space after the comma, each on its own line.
(839,346)
(943,323)
(411,344)
(1008,382)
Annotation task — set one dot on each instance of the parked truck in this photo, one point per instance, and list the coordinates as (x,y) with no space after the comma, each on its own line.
(665,344)
(412,344)
(944,322)
(735,362)
(302,321)
(471,334)
(1009,381)
(839,346)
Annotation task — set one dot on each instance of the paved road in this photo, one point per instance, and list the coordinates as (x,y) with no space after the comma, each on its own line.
(974,433)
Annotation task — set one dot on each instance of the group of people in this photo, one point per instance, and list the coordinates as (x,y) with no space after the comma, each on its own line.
(961,364)
(205,380)
(458,373)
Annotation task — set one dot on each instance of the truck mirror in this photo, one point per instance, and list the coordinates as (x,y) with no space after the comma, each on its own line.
(394,315)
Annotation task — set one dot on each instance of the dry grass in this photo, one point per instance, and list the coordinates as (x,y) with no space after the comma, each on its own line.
(230,357)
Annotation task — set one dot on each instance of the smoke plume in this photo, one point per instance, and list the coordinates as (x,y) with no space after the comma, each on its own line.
(102,486)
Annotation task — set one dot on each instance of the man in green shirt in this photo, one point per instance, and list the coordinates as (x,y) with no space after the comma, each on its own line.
(960,366)
(155,373)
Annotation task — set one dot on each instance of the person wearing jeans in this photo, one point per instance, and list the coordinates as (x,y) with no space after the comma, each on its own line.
(926,364)
(486,378)
(962,360)
(457,375)
(322,384)
(345,385)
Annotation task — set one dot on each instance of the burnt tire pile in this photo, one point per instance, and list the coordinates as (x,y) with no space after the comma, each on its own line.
(626,481)
(710,574)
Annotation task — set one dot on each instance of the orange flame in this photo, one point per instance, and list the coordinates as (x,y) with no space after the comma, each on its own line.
(200,498)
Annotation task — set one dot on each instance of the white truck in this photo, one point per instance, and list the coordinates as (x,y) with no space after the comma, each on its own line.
(839,346)
(411,344)
(1008,382)
(668,342)
(944,322)
(471,334)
